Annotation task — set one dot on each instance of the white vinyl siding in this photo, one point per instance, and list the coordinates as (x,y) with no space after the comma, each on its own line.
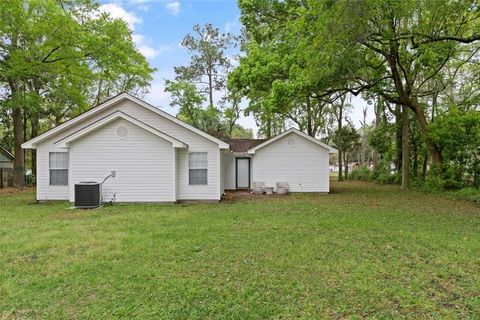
(142,162)
(197,168)
(179,170)
(222,172)
(45,191)
(5,161)
(304,165)
(58,166)
(229,176)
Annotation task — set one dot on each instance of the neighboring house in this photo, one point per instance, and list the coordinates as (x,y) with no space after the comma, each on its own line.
(159,158)
(6,158)
(6,167)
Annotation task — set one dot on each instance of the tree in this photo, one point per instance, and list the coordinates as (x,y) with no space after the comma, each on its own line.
(405,149)
(397,50)
(457,134)
(204,79)
(240,132)
(231,111)
(185,96)
(273,76)
(209,64)
(338,110)
(51,56)
(346,138)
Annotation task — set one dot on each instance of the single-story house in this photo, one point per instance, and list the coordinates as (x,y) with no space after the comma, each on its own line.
(6,159)
(158,158)
(6,168)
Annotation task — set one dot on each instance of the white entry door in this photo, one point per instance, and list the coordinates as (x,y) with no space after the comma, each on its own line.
(243,173)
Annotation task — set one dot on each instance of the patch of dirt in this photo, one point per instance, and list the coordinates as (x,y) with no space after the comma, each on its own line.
(11,190)
(240,195)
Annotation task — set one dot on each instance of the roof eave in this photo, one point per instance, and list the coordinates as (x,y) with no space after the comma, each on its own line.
(66,141)
(32,143)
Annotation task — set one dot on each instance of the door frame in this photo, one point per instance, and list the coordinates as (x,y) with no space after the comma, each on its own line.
(236,172)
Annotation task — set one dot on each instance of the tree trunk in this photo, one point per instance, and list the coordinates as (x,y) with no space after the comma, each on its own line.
(398,138)
(409,101)
(340,153)
(19,161)
(339,138)
(425,166)
(340,165)
(34,124)
(378,115)
(422,123)
(405,149)
(415,161)
(309,119)
(210,85)
(269,128)
(345,162)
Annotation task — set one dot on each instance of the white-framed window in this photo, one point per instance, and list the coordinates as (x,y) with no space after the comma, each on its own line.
(58,165)
(197,168)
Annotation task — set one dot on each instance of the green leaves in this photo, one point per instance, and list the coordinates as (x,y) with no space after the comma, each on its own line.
(203,78)
(58,58)
(458,135)
(69,50)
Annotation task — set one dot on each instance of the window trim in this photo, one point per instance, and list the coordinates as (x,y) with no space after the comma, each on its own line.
(197,168)
(67,167)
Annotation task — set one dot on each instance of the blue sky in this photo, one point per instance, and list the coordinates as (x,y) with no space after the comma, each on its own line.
(159,26)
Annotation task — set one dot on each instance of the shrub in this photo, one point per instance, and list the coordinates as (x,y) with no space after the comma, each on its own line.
(362,173)
(471,194)
(30,180)
(387,178)
(445,178)
(382,173)
(457,133)
(434,183)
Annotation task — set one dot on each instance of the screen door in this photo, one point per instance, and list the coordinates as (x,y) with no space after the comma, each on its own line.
(243,173)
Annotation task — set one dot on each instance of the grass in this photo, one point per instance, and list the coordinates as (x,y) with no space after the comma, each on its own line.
(364,251)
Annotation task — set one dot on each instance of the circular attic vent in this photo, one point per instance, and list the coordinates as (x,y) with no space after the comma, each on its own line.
(291,142)
(122,132)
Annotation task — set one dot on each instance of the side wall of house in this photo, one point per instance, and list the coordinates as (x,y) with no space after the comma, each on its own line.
(211,191)
(5,162)
(143,163)
(293,159)
(182,189)
(229,160)
(44,190)
(222,172)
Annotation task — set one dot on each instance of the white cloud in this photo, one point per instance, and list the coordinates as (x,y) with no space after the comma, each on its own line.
(118,12)
(141,1)
(230,25)
(158,97)
(143,7)
(143,47)
(147,51)
(234,61)
(173,7)
(138,38)
(166,48)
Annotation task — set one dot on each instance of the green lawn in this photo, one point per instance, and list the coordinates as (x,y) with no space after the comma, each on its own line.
(364,251)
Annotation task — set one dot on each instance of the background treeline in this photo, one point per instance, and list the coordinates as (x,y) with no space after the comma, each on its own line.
(57,59)
(416,62)
(301,62)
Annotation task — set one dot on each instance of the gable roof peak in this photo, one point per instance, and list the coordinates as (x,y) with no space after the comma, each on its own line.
(32,143)
(295,131)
